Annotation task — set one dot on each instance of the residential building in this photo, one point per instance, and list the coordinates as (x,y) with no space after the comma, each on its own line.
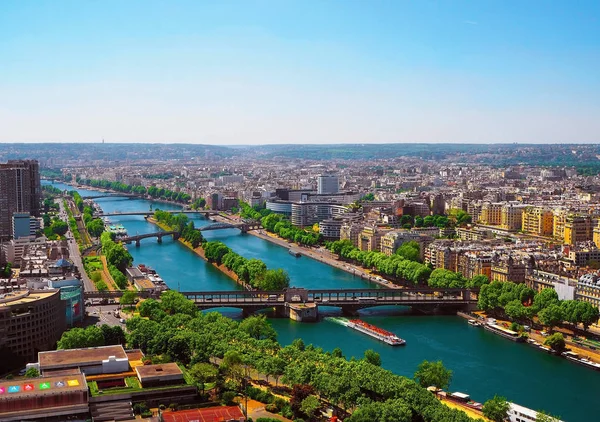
(351,231)
(508,269)
(582,257)
(370,238)
(511,217)
(588,289)
(578,228)
(558,226)
(565,286)
(538,221)
(491,213)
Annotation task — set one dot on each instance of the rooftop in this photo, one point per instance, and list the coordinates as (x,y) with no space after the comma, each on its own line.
(79,357)
(147,372)
(42,386)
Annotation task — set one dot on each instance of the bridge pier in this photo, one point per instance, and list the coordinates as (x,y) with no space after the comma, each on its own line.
(137,243)
(302,312)
(159,239)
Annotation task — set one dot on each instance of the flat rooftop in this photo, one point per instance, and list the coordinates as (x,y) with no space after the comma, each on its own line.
(21,297)
(149,372)
(79,357)
(144,283)
(13,389)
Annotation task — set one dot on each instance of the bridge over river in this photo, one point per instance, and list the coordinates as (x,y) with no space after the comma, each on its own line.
(302,304)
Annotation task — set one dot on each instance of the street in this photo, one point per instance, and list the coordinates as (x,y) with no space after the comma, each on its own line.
(103,314)
(74,253)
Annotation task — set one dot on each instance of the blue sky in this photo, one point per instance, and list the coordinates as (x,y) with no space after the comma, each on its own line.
(283,71)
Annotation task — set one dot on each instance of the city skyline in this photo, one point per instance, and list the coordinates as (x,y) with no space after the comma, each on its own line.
(239,73)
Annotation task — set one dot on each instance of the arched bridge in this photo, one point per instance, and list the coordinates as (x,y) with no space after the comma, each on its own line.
(158,235)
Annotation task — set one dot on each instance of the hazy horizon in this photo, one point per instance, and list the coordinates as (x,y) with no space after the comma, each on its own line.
(261,72)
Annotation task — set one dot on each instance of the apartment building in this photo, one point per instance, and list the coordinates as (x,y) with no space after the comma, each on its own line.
(558,225)
(491,213)
(564,286)
(511,217)
(369,238)
(351,231)
(471,264)
(538,221)
(588,289)
(578,228)
(508,269)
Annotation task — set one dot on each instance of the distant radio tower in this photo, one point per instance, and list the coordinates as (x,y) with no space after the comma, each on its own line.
(102,140)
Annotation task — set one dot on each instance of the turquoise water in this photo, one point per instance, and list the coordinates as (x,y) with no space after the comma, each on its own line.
(483,363)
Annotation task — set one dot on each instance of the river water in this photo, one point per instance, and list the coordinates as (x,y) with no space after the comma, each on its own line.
(483,364)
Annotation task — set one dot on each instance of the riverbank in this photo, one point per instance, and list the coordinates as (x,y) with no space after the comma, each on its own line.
(539,338)
(200,252)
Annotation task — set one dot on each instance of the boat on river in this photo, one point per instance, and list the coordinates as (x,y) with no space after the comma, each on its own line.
(294,253)
(474,323)
(372,331)
(504,332)
(574,357)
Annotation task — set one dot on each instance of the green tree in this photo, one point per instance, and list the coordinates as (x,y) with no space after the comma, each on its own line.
(496,409)
(372,357)
(59,227)
(32,373)
(433,373)
(258,327)
(274,280)
(309,406)
(203,373)
(586,313)
(146,307)
(545,298)
(129,297)
(551,315)
(173,302)
(410,250)
(77,338)
(556,341)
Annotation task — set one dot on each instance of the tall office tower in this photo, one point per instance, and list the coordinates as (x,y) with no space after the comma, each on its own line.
(20,191)
(327,183)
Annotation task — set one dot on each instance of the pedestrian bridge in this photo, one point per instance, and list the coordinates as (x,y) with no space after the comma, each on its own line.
(158,235)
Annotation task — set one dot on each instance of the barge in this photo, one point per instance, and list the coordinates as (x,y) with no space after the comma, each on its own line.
(377,333)
(504,332)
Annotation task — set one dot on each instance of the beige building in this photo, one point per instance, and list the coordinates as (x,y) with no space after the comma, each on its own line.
(538,221)
(508,270)
(370,238)
(491,213)
(511,217)
(351,231)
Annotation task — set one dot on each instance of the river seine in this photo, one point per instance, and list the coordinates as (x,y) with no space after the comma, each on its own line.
(483,364)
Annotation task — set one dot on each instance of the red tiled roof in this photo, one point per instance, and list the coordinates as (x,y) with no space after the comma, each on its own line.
(209,414)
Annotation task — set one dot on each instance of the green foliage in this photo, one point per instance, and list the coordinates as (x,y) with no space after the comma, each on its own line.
(496,409)
(433,373)
(551,315)
(394,266)
(276,223)
(545,417)
(251,271)
(95,227)
(32,373)
(372,357)
(6,271)
(76,338)
(59,227)
(182,224)
(368,197)
(309,406)
(128,298)
(258,328)
(348,384)
(556,341)
(253,213)
(115,253)
(441,278)
(410,250)
(199,204)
